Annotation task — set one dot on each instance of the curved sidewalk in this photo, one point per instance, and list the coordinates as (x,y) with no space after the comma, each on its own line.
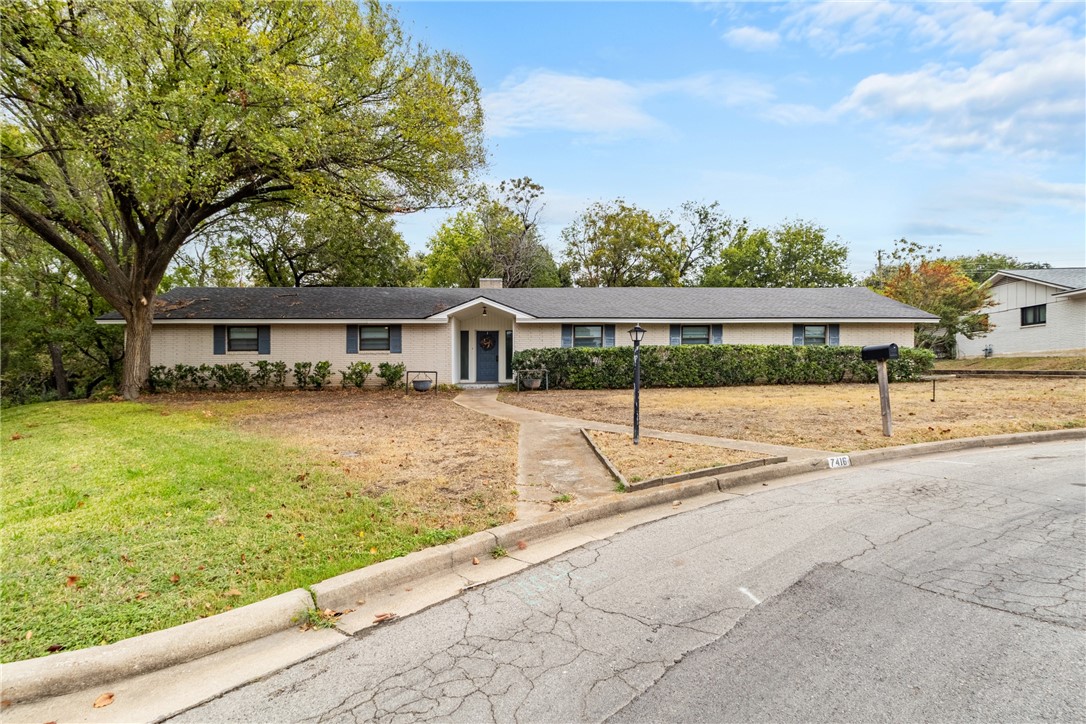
(554,459)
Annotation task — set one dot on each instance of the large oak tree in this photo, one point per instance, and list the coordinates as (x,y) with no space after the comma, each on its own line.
(128,126)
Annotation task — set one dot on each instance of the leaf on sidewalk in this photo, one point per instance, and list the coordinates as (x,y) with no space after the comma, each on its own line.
(104,700)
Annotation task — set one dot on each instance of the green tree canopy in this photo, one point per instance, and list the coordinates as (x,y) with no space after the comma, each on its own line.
(792,254)
(131,125)
(321,244)
(621,245)
(498,236)
(49,342)
(982,265)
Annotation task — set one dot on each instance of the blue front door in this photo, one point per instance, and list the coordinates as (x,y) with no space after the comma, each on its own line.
(486,357)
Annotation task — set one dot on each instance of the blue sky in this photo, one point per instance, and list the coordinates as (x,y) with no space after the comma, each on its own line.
(953,124)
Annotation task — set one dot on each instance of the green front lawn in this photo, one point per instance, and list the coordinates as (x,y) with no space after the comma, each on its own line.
(124,518)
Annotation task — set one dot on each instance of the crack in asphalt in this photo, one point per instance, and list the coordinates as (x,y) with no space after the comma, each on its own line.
(574,638)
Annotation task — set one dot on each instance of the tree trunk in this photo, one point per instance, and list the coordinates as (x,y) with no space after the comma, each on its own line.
(60,375)
(137,349)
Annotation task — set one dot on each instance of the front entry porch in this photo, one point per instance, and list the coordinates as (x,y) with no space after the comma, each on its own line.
(482,346)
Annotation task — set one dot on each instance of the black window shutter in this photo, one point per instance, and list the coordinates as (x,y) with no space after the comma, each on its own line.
(567,335)
(219,337)
(352,339)
(834,339)
(395,339)
(797,335)
(465,361)
(508,354)
(718,334)
(263,339)
(608,335)
(676,335)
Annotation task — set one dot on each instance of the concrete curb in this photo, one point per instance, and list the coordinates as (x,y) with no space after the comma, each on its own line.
(619,477)
(720,470)
(74,670)
(24,681)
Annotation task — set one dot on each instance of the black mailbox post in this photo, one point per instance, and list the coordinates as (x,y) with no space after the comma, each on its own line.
(879,353)
(875,352)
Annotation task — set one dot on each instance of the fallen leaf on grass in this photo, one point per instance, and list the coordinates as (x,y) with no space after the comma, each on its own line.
(72,581)
(175,579)
(16,436)
(104,700)
(142,595)
(55,648)
(29,635)
(233,592)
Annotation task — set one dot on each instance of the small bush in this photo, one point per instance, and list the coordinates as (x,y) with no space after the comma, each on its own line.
(392,374)
(715,365)
(162,379)
(231,376)
(321,375)
(302,372)
(356,374)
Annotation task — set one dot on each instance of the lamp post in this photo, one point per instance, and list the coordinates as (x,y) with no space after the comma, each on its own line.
(637,334)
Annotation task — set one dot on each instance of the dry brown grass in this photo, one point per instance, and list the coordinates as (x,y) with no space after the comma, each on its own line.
(656,458)
(835,417)
(1013,363)
(450,466)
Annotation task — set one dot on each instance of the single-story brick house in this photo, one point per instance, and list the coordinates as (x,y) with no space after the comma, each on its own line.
(469,335)
(1037,311)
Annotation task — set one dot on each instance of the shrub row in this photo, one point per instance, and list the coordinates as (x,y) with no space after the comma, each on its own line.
(265,374)
(717,365)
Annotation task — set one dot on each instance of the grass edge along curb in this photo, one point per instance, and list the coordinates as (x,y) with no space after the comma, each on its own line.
(25,681)
(69,671)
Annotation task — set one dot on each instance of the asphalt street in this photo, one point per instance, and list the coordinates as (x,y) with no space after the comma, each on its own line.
(945,588)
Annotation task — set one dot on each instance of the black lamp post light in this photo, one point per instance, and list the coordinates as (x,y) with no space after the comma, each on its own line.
(637,334)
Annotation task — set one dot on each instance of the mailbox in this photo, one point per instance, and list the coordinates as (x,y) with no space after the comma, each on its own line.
(876,352)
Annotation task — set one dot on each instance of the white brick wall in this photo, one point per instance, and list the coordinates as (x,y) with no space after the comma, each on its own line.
(436,346)
(1064,331)
(535,336)
(425,347)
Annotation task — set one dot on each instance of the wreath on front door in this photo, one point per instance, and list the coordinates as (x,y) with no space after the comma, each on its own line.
(486,342)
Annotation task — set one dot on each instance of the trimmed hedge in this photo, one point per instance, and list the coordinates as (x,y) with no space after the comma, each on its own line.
(716,365)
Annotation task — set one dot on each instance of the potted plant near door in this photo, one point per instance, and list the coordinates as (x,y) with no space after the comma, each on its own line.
(532,379)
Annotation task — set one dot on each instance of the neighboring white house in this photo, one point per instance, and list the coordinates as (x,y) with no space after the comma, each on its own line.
(1037,311)
(469,335)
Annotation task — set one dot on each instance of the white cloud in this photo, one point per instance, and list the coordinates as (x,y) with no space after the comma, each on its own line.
(604,108)
(1009,79)
(1012,101)
(750,38)
(544,100)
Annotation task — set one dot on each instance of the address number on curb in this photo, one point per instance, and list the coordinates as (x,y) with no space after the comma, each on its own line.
(840,461)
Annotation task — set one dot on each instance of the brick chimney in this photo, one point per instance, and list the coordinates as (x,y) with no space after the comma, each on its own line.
(490,283)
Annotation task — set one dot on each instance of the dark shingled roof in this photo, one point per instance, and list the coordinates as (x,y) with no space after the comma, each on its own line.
(627,303)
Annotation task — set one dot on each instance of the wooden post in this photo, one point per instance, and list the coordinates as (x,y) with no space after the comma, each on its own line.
(884,398)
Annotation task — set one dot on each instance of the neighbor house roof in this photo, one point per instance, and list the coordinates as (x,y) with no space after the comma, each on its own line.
(1065,279)
(616,303)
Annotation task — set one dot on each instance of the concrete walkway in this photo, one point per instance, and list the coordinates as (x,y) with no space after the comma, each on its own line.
(555,460)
